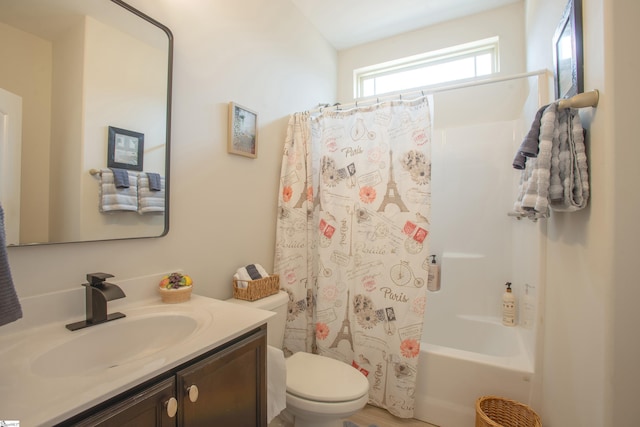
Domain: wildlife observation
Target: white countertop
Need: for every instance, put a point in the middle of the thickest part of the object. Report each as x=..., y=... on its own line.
x=44, y=400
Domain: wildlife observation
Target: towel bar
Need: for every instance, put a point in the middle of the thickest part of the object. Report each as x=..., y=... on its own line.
x=581, y=100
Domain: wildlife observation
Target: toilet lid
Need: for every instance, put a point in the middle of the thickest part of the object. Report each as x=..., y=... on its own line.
x=322, y=379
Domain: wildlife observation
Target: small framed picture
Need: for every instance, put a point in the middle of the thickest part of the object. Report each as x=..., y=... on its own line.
x=125, y=149
x=567, y=52
x=243, y=131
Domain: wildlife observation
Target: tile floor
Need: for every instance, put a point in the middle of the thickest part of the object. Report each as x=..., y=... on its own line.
x=370, y=415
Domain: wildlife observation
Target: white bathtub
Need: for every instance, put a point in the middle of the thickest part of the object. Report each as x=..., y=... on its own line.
x=465, y=357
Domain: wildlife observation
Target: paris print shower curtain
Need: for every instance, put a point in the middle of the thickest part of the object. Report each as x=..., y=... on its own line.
x=352, y=241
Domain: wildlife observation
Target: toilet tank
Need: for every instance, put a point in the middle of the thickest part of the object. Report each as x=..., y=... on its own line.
x=275, y=325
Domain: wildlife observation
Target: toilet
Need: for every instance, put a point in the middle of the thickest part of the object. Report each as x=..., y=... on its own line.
x=320, y=391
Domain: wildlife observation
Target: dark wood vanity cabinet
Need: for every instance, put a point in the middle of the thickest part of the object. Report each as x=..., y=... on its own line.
x=146, y=408
x=231, y=388
x=225, y=387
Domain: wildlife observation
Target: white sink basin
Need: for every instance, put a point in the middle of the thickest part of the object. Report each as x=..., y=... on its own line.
x=101, y=347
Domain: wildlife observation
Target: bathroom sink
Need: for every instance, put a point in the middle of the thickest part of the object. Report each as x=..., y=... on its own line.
x=99, y=348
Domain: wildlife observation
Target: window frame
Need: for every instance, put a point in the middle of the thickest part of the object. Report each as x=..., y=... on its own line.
x=425, y=60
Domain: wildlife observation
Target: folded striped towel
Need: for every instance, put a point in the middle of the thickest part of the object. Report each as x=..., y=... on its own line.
x=114, y=199
x=149, y=200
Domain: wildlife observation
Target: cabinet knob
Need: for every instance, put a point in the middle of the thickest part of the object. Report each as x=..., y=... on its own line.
x=192, y=390
x=171, y=406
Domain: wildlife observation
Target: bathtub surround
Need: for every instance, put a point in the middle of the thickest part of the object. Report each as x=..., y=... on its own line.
x=10, y=309
x=351, y=242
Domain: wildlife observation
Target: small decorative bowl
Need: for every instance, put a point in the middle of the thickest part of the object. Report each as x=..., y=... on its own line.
x=172, y=296
x=175, y=288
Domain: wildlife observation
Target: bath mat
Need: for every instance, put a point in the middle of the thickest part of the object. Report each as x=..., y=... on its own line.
x=352, y=424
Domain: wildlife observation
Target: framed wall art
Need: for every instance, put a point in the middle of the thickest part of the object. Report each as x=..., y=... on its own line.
x=567, y=52
x=243, y=131
x=125, y=149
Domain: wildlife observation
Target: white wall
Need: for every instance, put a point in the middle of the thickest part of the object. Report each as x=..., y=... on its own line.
x=264, y=55
x=28, y=75
x=506, y=22
x=591, y=373
x=66, y=132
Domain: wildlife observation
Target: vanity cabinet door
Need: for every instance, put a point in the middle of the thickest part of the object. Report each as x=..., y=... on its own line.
x=226, y=389
x=147, y=408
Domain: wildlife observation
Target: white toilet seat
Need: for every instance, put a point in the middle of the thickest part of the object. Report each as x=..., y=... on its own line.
x=321, y=379
x=326, y=409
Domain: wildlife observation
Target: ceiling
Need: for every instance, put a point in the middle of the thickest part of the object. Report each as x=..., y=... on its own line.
x=348, y=23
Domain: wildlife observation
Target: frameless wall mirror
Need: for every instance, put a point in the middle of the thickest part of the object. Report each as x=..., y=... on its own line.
x=71, y=70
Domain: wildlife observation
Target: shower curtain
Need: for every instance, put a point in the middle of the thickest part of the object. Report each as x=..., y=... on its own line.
x=351, y=241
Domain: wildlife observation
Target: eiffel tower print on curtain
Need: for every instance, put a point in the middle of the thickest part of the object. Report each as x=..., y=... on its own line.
x=345, y=330
x=392, y=196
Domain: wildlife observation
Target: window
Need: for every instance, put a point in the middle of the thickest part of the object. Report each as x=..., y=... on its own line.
x=458, y=63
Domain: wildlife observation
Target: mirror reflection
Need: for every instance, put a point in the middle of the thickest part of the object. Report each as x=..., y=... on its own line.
x=71, y=71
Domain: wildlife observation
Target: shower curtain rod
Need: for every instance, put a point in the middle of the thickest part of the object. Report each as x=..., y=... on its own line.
x=587, y=99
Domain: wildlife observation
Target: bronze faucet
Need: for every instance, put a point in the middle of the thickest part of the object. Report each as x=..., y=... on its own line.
x=98, y=292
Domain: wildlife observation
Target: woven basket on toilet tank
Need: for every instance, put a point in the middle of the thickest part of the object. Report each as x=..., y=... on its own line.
x=257, y=289
x=494, y=411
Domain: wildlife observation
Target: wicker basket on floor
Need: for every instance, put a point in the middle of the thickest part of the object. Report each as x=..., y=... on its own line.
x=257, y=289
x=494, y=411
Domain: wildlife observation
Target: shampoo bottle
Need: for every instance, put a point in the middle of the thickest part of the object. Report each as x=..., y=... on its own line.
x=433, y=282
x=508, y=307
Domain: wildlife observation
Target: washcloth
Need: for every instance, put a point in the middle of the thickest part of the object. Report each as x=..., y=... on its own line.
x=529, y=145
x=557, y=177
x=149, y=200
x=10, y=309
x=117, y=199
x=248, y=273
x=155, y=181
x=120, y=177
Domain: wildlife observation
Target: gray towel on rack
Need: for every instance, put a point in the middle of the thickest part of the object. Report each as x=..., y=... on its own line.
x=10, y=309
x=529, y=145
x=557, y=178
x=150, y=201
x=569, y=190
x=532, y=201
x=120, y=177
x=114, y=199
x=155, y=183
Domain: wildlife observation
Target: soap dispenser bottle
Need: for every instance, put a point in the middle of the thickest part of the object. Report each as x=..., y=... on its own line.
x=508, y=307
x=433, y=281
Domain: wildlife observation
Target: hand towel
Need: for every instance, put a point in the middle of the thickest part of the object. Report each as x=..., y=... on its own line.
x=155, y=181
x=120, y=177
x=529, y=146
x=10, y=309
x=276, y=382
x=149, y=200
x=114, y=199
